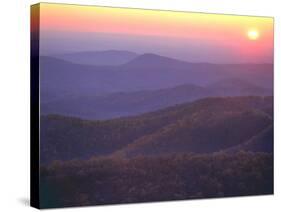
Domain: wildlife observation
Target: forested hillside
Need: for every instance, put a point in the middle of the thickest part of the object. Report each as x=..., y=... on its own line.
x=204, y=126
x=175, y=177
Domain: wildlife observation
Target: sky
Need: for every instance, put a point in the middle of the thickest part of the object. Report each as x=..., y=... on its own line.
x=193, y=37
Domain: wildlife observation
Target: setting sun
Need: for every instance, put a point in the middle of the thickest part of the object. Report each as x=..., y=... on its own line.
x=253, y=34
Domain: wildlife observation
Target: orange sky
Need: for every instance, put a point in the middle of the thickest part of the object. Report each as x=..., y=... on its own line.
x=227, y=29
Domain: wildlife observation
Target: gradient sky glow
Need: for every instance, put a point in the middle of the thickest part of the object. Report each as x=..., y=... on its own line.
x=195, y=37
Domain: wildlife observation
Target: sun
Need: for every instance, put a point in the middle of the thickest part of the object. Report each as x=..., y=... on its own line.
x=253, y=34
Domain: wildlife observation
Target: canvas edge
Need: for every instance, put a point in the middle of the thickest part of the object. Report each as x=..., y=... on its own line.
x=34, y=106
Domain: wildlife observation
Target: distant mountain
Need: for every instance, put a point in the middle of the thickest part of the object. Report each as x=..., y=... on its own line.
x=154, y=61
x=124, y=104
x=151, y=71
x=109, y=57
x=61, y=79
x=127, y=104
x=200, y=73
x=238, y=87
x=204, y=126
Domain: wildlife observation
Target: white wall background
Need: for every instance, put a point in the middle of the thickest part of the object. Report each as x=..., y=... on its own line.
x=14, y=104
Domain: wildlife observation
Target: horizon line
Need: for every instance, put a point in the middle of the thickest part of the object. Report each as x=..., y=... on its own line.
x=56, y=56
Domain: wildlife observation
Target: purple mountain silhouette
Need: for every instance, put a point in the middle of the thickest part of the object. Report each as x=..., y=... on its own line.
x=62, y=79
x=109, y=57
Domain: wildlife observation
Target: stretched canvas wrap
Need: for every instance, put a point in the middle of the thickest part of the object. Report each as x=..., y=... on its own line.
x=134, y=105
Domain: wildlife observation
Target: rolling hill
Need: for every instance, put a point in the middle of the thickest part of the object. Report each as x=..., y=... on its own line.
x=127, y=104
x=204, y=126
x=261, y=142
x=60, y=79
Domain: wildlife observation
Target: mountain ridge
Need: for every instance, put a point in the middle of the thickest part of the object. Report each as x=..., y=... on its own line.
x=184, y=127
x=64, y=79
x=133, y=103
x=106, y=57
